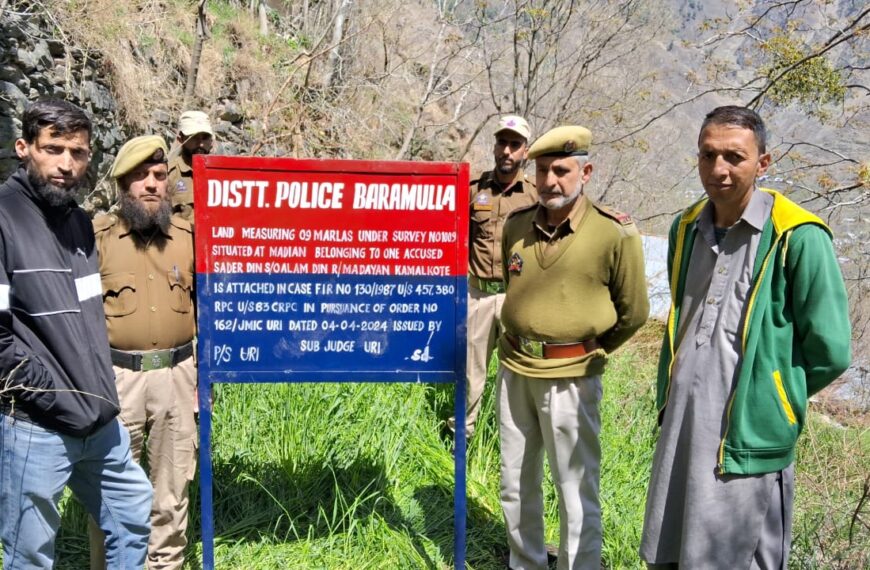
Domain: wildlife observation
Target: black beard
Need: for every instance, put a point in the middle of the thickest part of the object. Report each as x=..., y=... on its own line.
x=140, y=218
x=188, y=154
x=503, y=169
x=56, y=196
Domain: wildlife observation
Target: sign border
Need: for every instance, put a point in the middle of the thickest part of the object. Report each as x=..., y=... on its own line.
x=201, y=165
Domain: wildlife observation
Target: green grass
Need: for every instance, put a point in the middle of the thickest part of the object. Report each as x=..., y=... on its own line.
x=341, y=476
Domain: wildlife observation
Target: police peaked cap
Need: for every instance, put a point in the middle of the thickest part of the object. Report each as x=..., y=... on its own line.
x=571, y=140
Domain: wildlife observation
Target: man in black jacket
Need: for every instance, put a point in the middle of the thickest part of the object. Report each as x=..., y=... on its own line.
x=58, y=402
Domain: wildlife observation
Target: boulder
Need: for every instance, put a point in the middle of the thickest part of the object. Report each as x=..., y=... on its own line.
x=230, y=112
x=99, y=96
x=37, y=58
x=13, y=95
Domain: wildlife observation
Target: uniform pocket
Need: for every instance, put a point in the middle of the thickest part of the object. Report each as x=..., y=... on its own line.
x=180, y=286
x=783, y=398
x=481, y=219
x=119, y=294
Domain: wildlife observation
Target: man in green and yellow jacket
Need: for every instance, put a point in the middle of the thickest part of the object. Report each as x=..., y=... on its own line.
x=758, y=323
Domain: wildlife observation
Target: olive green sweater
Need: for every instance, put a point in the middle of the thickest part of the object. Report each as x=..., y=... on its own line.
x=589, y=283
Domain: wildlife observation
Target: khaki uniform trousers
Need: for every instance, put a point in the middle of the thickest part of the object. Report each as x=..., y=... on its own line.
x=560, y=416
x=160, y=403
x=484, y=316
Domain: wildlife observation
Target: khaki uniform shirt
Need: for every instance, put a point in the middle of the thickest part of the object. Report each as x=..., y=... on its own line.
x=582, y=280
x=489, y=206
x=147, y=292
x=181, y=185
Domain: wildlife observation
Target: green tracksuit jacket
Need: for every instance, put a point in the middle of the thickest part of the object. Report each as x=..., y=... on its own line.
x=795, y=335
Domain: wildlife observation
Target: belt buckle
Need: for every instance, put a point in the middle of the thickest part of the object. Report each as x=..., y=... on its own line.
x=493, y=287
x=532, y=347
x=156, y=360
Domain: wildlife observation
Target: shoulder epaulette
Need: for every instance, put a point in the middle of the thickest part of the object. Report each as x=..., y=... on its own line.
x=482, y=177
x=528, y=181
x=104, y=221
x=621, y=218
x=181, y=223
x=522, y=209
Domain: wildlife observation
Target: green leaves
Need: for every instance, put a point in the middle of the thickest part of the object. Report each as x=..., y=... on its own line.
x=798, y=74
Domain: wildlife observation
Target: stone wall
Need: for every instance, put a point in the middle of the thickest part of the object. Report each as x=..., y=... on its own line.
x=35, y=64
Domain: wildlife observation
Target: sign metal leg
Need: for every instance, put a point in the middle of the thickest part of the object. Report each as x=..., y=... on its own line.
x=205, y=473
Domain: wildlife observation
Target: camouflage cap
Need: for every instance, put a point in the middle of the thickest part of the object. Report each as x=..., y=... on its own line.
x=571, y=140
x=139, y=150
x=515, y=124
x=194, y=122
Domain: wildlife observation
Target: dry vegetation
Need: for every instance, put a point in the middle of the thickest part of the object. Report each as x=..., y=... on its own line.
x=423, y=80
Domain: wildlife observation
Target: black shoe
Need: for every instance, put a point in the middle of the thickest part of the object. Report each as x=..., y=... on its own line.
x=552, y=556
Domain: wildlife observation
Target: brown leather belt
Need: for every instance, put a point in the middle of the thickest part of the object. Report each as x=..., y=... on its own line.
x=151, y=359
x=541, y=349
x=486, y=285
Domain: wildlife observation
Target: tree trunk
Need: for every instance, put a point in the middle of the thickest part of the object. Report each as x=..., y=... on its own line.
x=196, y=54
x=335, y=53
x=264, y=20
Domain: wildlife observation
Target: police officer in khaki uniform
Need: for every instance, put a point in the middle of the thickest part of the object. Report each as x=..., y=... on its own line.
x=146, y=266
x=195, y=136
x=576, y=291
x=494, y=195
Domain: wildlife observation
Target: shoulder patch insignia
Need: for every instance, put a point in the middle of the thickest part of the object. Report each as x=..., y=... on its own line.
x=515, y=264
x=621, y=217
x=180, y=187
x=482, y=199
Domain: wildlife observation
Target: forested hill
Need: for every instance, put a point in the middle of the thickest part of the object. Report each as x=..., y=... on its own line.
x=425, y=79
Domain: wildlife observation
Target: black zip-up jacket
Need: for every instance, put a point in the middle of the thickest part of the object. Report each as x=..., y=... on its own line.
x=51, y=315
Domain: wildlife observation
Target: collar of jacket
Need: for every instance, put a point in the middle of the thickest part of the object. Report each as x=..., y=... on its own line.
x=785, y=214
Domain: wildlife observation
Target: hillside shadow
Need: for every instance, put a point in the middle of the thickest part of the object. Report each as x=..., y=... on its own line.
x=485, y=545
x=255, y=501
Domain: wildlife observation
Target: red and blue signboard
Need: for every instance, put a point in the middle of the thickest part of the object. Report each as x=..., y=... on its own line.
x=330, y=271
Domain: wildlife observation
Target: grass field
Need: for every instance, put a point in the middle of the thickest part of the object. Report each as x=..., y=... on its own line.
x=341, y=476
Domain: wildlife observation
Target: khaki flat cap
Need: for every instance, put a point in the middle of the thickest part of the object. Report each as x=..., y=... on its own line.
x=194, y=122
x=139, y=150
x=571, y=140
x=514, y=124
